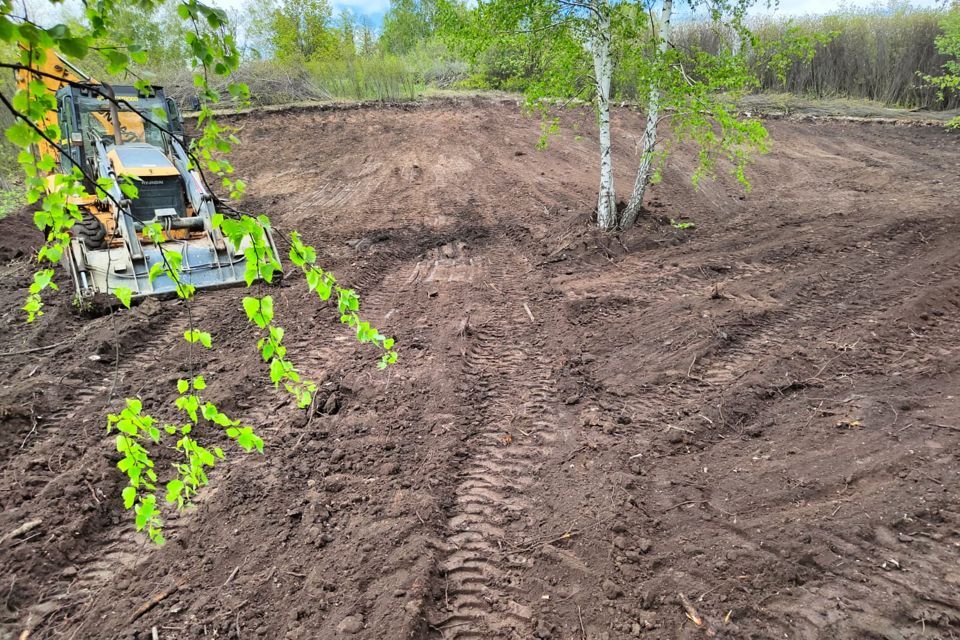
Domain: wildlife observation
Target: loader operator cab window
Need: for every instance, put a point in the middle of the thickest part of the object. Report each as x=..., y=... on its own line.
x=96, y=123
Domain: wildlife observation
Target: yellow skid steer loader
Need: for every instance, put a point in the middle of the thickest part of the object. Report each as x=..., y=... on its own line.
x=103, y=133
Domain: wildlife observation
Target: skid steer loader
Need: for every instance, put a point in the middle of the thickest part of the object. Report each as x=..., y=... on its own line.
x=103, y=133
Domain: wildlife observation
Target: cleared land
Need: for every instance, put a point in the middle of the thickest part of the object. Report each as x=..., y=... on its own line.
x=760, y=413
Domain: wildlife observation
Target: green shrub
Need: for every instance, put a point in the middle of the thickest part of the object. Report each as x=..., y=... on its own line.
x=878, y=54
x=385, y=78
x=11, y=198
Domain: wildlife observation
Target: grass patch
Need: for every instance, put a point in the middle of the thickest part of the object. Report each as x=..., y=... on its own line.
x=10, y=200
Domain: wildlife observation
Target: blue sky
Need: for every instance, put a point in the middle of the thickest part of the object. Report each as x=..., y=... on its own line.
x=376, y=8
x=368, y=7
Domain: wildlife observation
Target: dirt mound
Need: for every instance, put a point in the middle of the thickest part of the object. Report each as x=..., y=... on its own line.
x=758, y=413
x=18, y=236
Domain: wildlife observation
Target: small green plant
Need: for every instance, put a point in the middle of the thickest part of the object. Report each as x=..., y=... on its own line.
x=682, y=226
x=548, y=127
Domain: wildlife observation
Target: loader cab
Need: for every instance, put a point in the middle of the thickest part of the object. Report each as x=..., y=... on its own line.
x=84, y=117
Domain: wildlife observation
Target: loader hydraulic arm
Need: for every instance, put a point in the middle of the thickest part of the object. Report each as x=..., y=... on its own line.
x=54, y=72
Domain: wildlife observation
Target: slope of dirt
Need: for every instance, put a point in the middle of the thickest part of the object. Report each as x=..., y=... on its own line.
x=759, y=413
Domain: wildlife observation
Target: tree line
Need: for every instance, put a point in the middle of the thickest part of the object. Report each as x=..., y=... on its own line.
x=880, y=53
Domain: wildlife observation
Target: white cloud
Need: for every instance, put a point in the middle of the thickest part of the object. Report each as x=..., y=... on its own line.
x=365, y=7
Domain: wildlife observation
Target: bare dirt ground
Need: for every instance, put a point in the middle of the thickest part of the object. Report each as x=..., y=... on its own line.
x=760, y=413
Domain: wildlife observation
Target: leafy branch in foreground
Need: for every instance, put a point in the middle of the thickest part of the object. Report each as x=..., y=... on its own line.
x=136, y=429
x=348, y=302
x=60, y=192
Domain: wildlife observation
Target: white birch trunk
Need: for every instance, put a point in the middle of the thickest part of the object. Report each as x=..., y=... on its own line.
x=603, y=73
x=645, y=171
x=736, y=42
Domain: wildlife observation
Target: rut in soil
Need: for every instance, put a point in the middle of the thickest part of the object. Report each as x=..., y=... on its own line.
x=508, y=390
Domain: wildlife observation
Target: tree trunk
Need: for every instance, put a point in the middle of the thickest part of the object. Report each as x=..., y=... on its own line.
x=645, y=171
x=603, y=72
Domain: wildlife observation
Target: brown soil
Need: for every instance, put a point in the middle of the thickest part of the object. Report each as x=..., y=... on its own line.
x=760, y=413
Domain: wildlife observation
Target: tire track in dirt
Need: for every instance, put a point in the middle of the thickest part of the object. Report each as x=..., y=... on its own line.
x=80, y=386
x=141, y=348
x=509, y=390
x=769, y=332
x=144, y=336
x=770, y=324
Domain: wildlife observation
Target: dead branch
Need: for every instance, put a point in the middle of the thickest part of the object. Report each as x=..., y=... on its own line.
x=35, y=349
x=154, y=601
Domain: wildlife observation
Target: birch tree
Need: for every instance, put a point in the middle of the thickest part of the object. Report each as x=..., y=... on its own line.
x=693, y=93
x=628, y=43
x=948, y=44
x=599, y=37
x=572, y=43
x=645, y=171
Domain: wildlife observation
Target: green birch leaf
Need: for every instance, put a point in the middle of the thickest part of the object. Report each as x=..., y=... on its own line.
x=124, y=295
